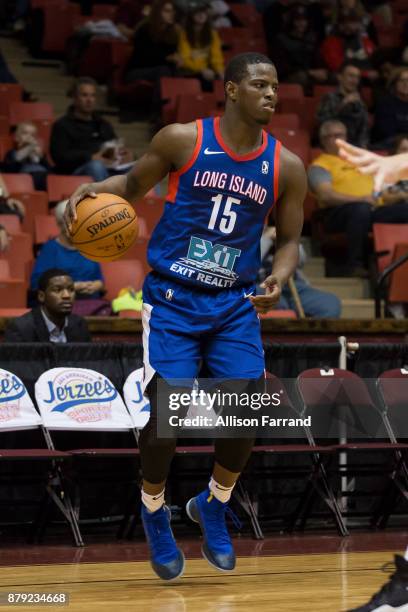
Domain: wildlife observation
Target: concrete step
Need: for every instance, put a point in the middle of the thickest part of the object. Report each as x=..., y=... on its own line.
x=354, y=288
x=357, y=309
x=314, y=266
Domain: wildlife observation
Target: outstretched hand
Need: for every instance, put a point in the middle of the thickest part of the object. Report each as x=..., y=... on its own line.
x=384, y=169
x=273, y=290
x=70, y=214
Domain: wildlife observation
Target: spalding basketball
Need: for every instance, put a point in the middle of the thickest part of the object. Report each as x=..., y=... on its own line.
x=106, y=227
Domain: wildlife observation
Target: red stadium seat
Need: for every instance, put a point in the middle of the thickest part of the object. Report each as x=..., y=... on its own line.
x=61, y=187
x=12, y=223
x=138, y=251
x=4, y=125
x=13, y=293
x=30, y=111
x=137, y=94
x=191, y=106
x=19, y=255
x=4, y=269
x=297, y=141
x=290, y=90
x=6, y=143
x=13, y=312
x=170, y=89
x=45, y=228
x=249, y=17
x=10, y=93
x=36, y=203
x=23, y=183
x=104, y=11
x=101, y=56
x=59, y=21
x=120, y=274
x=398, y=287
x=279, y=314
x=321, y=90
x=386, y=237
x=285, y=120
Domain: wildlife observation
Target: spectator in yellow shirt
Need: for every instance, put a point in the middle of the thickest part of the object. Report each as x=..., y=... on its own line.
x=348, y=199
x=200, y=48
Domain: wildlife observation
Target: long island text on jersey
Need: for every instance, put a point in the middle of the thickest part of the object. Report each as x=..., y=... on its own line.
x=214, y=213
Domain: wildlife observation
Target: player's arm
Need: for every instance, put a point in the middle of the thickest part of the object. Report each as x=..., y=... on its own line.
x=289, y=223
x=150, y=169
x=384, y=169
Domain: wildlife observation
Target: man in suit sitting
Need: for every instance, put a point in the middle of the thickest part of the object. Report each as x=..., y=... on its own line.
x=52, y=321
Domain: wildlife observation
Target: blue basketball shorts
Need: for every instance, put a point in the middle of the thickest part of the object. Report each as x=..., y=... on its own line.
x=185, y=328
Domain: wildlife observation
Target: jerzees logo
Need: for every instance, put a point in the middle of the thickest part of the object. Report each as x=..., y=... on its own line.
x=69, y=392
x=11, y=389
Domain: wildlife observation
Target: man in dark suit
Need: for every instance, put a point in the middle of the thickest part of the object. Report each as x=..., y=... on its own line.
x=52, y=321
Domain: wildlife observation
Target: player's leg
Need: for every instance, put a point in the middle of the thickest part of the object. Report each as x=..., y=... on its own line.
x=168, y=355
x=235, y=353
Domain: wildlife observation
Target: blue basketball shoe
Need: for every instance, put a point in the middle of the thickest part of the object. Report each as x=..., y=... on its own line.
x=209, y=512
x=166, y=559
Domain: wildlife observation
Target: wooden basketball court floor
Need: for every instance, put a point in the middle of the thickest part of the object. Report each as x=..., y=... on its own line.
x=310, y=573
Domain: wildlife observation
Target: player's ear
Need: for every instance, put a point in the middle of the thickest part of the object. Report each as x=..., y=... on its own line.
x=231, y=90
x=41, y=296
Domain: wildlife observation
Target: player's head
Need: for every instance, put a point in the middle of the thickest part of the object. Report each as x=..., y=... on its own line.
x=56, y=292
x=349, y=77
x=329, y=131
x=83, y=94
x=251, y=87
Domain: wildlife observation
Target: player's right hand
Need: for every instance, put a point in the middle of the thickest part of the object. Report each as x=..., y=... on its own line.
x=70, y=214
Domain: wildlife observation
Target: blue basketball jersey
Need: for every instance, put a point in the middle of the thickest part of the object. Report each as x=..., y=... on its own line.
x=209, y=233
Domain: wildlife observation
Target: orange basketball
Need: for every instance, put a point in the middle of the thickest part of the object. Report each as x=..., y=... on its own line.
x=106, y=227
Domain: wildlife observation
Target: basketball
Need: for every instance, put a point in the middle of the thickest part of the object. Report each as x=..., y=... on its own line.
x=106, y=227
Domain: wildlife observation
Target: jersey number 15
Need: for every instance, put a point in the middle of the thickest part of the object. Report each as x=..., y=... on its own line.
x=228, y=216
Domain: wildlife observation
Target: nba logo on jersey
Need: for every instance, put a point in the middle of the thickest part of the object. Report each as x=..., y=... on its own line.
x=169, y=294
x=265, y=167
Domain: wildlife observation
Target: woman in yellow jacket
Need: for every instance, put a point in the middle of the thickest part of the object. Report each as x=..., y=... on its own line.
x=200, y=48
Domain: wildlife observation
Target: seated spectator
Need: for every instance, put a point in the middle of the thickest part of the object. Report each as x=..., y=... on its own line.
x=28, y=156
x=347, y=197
x=316, y=303
x=60, y=253
x=346, y=105
x=294, y=51
x=349, y=42
x=8, y=205
x=155, y=45
x=391, y=114
x=52, y=320
x=81, y=141
x=200, y=48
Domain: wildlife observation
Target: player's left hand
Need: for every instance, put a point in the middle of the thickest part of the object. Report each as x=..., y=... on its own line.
x=265, y=303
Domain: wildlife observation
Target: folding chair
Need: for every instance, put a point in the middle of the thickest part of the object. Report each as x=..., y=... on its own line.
x=392, y=388
x=18, y=417
x=79, y=400
x=343, y=414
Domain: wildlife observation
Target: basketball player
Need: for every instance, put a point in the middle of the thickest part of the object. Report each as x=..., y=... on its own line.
x=225, y=175
x=394, y=594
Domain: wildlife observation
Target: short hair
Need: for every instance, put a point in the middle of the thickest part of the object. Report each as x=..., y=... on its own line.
x=326, y=124
x=73, y=90
x=347, y=64
x=48, y=275
x=237, y=68
x=59, y=211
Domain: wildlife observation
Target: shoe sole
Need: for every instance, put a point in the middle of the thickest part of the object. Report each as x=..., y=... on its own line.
x=197, y=520
x=387, y=608
x=175, y=577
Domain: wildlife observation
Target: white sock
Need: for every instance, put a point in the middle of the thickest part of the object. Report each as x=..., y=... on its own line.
x=223, y=494
x=153, y=502
x=406, y=555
